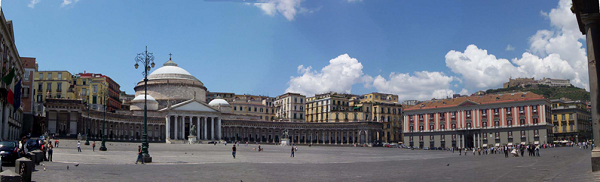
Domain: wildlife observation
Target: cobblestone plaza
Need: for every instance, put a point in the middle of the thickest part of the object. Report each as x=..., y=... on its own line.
x=180, y=162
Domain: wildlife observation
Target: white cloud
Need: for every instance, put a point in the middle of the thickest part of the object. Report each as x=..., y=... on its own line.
x=464, y=92
x=555, y=53
x=421, y=86
x=68, y=2
x=32, y=3
x=339, y=76
x=510, y=48
x=288, y=8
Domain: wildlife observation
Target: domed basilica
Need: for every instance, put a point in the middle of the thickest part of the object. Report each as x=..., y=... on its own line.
x=176, y=103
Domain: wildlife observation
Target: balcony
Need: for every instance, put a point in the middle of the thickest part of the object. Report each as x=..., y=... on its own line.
x=521, y=112
x=452, y=117
x=484, y=114
x=495, y=114
x=497, y=138
x=509, y=113
x=510, y=137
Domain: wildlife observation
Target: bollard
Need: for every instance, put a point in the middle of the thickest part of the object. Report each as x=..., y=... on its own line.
x=24, y=167
x=9, y=176
x=31, y=156
x=39, y=156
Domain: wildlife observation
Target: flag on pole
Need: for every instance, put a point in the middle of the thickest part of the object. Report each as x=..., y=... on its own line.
x=9, y=77
x=17, y=99
x=10, y=97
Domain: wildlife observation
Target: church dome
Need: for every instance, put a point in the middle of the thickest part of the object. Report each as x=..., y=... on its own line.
x=217, y=102
x=170, y=70
x=141, y=98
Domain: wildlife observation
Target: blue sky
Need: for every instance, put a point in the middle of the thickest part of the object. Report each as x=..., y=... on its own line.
x=401, y=47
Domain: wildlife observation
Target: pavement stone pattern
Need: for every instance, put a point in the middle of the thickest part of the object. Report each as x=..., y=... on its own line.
x=207, y=162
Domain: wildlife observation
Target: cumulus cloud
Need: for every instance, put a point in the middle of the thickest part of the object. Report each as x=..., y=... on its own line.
x=32, y=3
x=464, y=92
x=510, y=48
x=68, y=2
x=422, y=85
x=288, y=8
x=339, y=76
x=554, y=53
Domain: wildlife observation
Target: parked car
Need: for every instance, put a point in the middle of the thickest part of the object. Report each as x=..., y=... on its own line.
x=9, y=151
x=211, y=142
x=32, y=144
x=425, y=148
x=393, y=145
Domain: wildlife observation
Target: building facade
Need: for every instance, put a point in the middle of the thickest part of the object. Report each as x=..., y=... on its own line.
x=289, y=107
x=572, y=121
x=52, y=84
x=11, y=117
x=227, y=96
x=28, y=90
x=555, y=82
x=479, y=121
x=262, y=107
x=385, y=110
x=320, y=108
x=89, y=87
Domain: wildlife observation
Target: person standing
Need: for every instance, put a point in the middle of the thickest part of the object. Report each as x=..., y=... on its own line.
x=78, y=146
x=50, y=147
x=505, y=151
x=459, y=151
x=94, y=146
x=537, y=150
x=233, y=150
x=293, y=150
x=139, y=158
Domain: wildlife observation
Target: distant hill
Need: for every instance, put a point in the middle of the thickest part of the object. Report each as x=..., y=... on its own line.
x=572, y=92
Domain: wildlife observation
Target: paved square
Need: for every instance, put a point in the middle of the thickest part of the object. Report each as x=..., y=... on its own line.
x=179, y=162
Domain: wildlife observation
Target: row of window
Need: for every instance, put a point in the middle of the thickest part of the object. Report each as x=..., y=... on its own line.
x=241, y=108
x=484, y=136
x=41, y=76
x=484, y=124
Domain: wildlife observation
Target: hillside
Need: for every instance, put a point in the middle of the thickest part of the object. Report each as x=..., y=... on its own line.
x=572, y=92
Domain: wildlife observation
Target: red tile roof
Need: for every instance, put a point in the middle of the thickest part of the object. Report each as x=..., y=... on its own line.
x=484, y=99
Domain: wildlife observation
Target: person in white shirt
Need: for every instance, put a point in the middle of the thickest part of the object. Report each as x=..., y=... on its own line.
x=78, y=146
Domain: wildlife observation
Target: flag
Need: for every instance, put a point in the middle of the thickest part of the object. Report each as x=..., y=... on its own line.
x=17, y=96
x=9, y=77
x=10, y=97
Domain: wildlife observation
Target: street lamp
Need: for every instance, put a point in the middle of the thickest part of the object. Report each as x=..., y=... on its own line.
x=87, y=124
x=147, y=60
x=104, y=94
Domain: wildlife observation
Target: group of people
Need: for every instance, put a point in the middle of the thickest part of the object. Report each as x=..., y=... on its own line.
x=533, y=150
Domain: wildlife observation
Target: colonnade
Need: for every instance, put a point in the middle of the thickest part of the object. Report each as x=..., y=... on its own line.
x=179, y=127
x=121, y=130
x=300, y=136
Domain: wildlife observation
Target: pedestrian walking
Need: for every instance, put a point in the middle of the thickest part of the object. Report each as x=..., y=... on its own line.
x=50, y=151
x=233, y=150
x=459, y=151
x=139, y=158
x=56, y=143
x=537, y=150
x=293, y=150
x=94, y=146
x=78, y=146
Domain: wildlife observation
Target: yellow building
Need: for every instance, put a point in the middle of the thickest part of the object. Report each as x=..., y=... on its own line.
x=90, y=89
x=384, y=108
x=571, y=120
x=252, y=105
x=53, y=84
x=320, y=108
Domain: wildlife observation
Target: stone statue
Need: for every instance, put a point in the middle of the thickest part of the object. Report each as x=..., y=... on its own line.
x=285, y=134
x=193, y=130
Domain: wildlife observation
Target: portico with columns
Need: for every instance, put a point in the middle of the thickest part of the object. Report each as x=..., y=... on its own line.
x=181, y=117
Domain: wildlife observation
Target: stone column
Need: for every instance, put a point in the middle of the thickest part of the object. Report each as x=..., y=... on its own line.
x=219, y=128
x=591, y=18
x=204, y=128
x=335, y=137
x=212, y=128
x=175, y=135
x=167, y=125
x=197, y=128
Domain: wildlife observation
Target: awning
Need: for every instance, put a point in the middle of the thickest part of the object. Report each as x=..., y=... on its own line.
x=522, y=143
x=497, y=145
x=357, y=107
x=536, y=142
x=509, y=144
x=484, y=145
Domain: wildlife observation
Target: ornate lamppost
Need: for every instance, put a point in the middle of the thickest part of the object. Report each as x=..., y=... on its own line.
x=105, y=95
x=147, y=60
x=87, y=124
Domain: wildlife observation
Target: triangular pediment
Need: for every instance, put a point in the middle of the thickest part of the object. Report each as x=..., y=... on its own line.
x=468, y=103
x=191, y=105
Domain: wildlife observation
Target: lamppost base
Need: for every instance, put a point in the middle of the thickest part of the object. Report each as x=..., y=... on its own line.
x=147, y=159
x=596, y=159
x=87, y=142
x=103, y=148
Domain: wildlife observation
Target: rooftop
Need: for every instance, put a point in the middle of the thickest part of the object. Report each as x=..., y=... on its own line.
x=477, y=100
